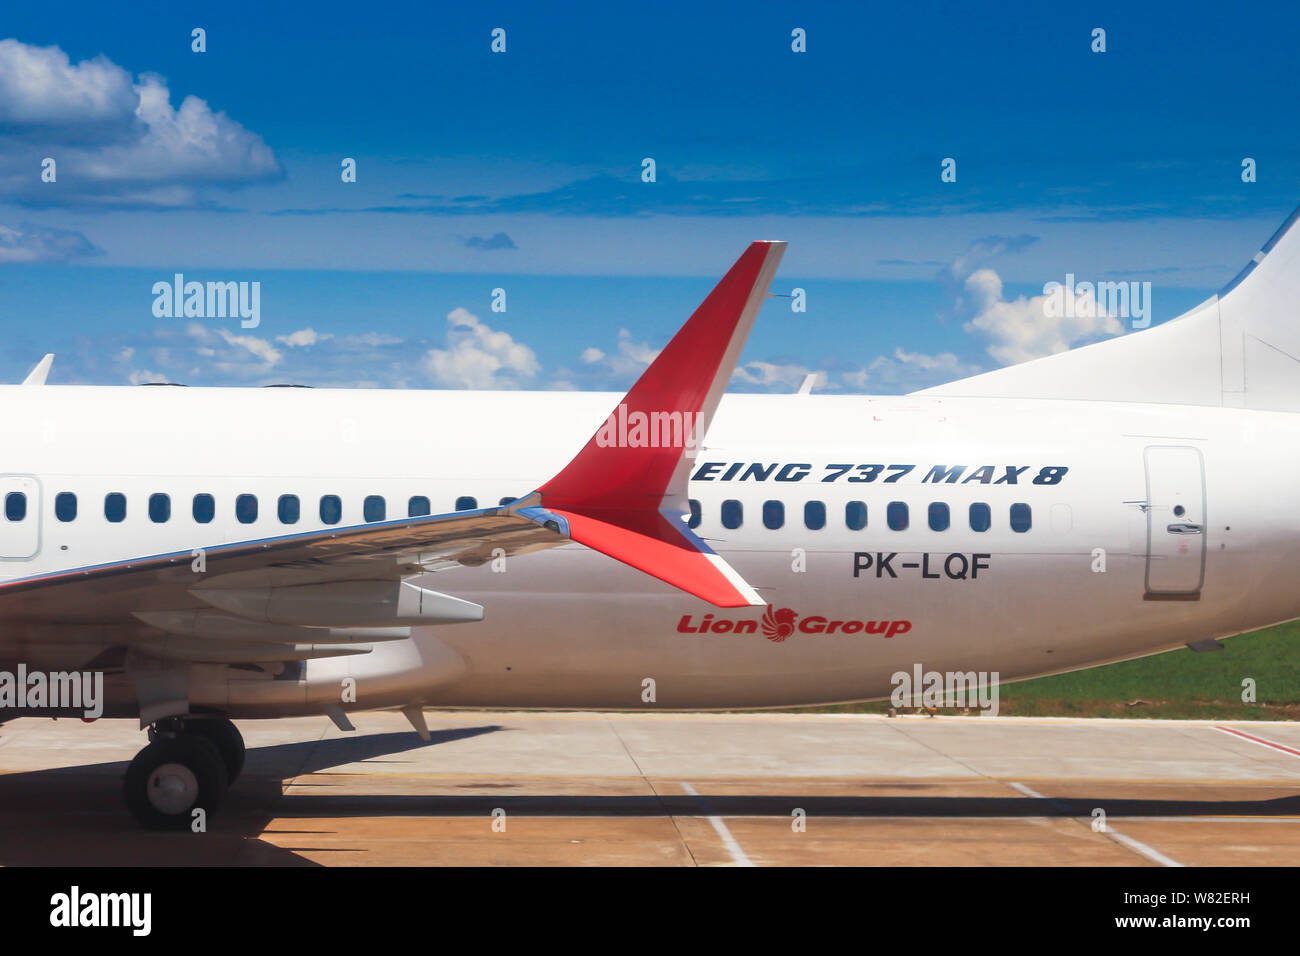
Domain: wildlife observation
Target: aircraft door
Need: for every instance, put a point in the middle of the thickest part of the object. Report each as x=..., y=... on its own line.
x=1175, y=521
x=20, y=516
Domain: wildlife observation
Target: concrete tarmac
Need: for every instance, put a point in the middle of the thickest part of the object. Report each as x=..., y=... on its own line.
x=505, y=789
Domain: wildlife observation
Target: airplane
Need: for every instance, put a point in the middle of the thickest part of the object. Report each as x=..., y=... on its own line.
x=249, y=553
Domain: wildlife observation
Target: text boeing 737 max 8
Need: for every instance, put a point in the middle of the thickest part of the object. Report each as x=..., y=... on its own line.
x=245, y=553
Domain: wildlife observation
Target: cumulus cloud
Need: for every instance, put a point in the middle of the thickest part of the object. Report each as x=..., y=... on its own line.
x=1024, y=329
x=908, y=371
x=260, y=348
x=303, y=338
x=775, y=377
x=40, y=86
x=185, y=354
x=43, y=244
x=115, y=139
x=373, y=339
x=628, y=357
x=478, y=356
x=207, y=352
x=614, y=369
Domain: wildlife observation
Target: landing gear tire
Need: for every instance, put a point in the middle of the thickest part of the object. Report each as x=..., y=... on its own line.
x=171, y=778
x=225, y=736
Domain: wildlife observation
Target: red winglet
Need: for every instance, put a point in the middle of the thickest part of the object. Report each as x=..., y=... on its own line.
x=625, y=492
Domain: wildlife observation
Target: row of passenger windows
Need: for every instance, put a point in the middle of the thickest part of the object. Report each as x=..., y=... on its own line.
x=288, y=509
x=203, y=507
x=897, y=516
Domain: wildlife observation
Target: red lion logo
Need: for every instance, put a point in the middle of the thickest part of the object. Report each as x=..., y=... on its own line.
x=778, y=625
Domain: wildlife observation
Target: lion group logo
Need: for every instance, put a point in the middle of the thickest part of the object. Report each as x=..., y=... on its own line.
x=778, y=624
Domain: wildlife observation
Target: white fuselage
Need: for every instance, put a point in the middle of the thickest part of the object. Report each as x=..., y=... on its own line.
x=572, y=628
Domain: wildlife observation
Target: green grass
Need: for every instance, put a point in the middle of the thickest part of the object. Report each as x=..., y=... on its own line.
x=1180, y=684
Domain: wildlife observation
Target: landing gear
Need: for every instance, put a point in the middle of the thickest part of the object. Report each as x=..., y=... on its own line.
x=225, y=736
x=187, y=766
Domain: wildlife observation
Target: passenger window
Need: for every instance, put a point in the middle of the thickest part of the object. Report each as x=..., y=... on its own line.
x=981, y=518
x=417, y=506
x=16, y=506
x=288, y=509
x=696, y=514
x=814, y=515
x=115, y=506
x=1020, y=517
x=65, y=506
x=896, y=515
x=466, y=503
x=505, y=501
x=855, y=515
x=204, y=508
x=733, y=514
x=331, y=509
x=373, y=508
x=939, y=516
x=246, y=509
x=773, y=515
x=160, y=508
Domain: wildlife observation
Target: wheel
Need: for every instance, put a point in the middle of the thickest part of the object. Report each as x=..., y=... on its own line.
x=172, y=777
x=225, y=736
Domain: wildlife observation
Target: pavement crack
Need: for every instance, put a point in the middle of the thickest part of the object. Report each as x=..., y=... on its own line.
x=672, y=820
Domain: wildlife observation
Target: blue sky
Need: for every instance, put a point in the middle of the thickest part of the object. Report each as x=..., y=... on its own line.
x=522, y=171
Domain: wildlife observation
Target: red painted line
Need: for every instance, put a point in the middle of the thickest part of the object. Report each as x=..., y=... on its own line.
x=1261, y=741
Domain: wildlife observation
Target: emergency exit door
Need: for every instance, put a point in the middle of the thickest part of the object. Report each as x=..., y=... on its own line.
x=1175, y=521
x=20, y=516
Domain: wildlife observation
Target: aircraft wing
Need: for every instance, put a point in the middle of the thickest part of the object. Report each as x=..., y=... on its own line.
x=624, y=494
x=384, y=551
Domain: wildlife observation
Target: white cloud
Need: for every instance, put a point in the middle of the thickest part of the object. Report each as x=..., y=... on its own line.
x=115, y=140
x=38, y=244
x=776, y=377
x=40, y=86
x=908, y=371
x=260, y=348
x=628, y=360
x=639, y=354
x=1023, y=329
x=373, y=339
x=478, y=356
x=303, y=338
x=241, y=356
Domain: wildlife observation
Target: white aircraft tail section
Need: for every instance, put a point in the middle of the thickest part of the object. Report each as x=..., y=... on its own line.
x=1240, y=348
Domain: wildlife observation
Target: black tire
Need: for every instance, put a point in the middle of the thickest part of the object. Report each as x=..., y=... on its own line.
x=225, y=736
x=160, y=795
